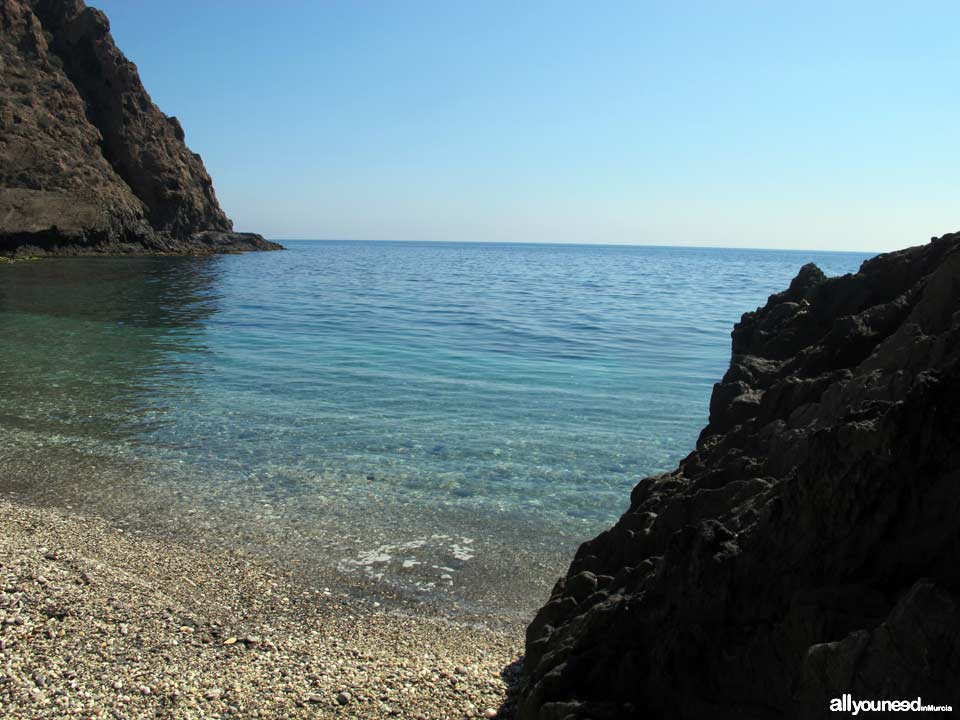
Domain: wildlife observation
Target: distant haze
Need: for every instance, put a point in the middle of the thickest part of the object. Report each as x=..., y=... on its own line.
x=783, y=125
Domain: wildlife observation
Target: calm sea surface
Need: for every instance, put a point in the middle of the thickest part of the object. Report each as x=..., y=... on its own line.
x=427, y=422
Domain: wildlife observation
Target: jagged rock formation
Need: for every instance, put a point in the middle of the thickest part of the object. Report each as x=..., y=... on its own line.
x=809, y=546
x=87, y=162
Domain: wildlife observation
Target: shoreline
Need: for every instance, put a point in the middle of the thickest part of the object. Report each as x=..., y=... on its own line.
x=356, y=542
x=95, y=621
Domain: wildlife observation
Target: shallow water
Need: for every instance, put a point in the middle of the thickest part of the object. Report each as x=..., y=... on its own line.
x=439, y=422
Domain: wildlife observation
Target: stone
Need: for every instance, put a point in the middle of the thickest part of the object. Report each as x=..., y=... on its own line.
x=581, y=585
x=343, y=698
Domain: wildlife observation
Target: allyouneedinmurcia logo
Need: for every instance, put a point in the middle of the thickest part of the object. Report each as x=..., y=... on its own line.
x=846, y=703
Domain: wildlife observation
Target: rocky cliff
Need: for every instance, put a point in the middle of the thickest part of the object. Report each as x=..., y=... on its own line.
x=88, y=163
x=809, y=545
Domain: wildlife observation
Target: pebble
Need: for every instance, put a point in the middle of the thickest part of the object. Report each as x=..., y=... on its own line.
x=141, y=643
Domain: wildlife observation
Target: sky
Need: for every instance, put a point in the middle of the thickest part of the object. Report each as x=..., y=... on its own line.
x=828, y=125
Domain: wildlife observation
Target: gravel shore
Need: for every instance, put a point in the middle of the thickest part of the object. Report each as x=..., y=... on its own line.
x=99, y=623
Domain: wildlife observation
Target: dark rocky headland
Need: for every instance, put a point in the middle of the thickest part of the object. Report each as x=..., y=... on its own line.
x=88, y=163
x=809, y=545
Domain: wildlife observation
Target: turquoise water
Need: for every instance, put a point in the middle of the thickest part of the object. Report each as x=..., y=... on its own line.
x=435, y=421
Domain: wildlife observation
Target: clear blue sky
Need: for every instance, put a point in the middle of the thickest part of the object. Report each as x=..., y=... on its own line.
x=827, y=125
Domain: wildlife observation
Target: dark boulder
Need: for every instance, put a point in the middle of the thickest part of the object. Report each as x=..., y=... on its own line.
x=809, y=546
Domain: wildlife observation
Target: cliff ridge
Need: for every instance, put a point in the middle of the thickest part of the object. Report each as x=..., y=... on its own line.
x=88, y=163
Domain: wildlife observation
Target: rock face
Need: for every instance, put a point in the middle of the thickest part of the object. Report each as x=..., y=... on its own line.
x=809, y=546
x=87, y=162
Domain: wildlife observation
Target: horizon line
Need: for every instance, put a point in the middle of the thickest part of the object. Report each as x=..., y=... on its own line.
x=582, y=244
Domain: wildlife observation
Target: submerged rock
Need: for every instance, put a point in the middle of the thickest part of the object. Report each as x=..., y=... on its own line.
x=808, y=547
x=88, y=163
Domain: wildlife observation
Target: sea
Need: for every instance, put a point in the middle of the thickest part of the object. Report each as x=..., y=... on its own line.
x=427, y=426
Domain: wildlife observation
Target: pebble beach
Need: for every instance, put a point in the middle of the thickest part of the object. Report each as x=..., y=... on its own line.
x=96, y=622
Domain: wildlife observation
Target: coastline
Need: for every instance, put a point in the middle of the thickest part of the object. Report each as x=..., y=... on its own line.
x=95, y=620
x=344, y=533
x=201, y=244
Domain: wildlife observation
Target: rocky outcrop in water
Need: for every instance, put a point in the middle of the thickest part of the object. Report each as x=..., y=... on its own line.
x=88, y=163
x=809, y=546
